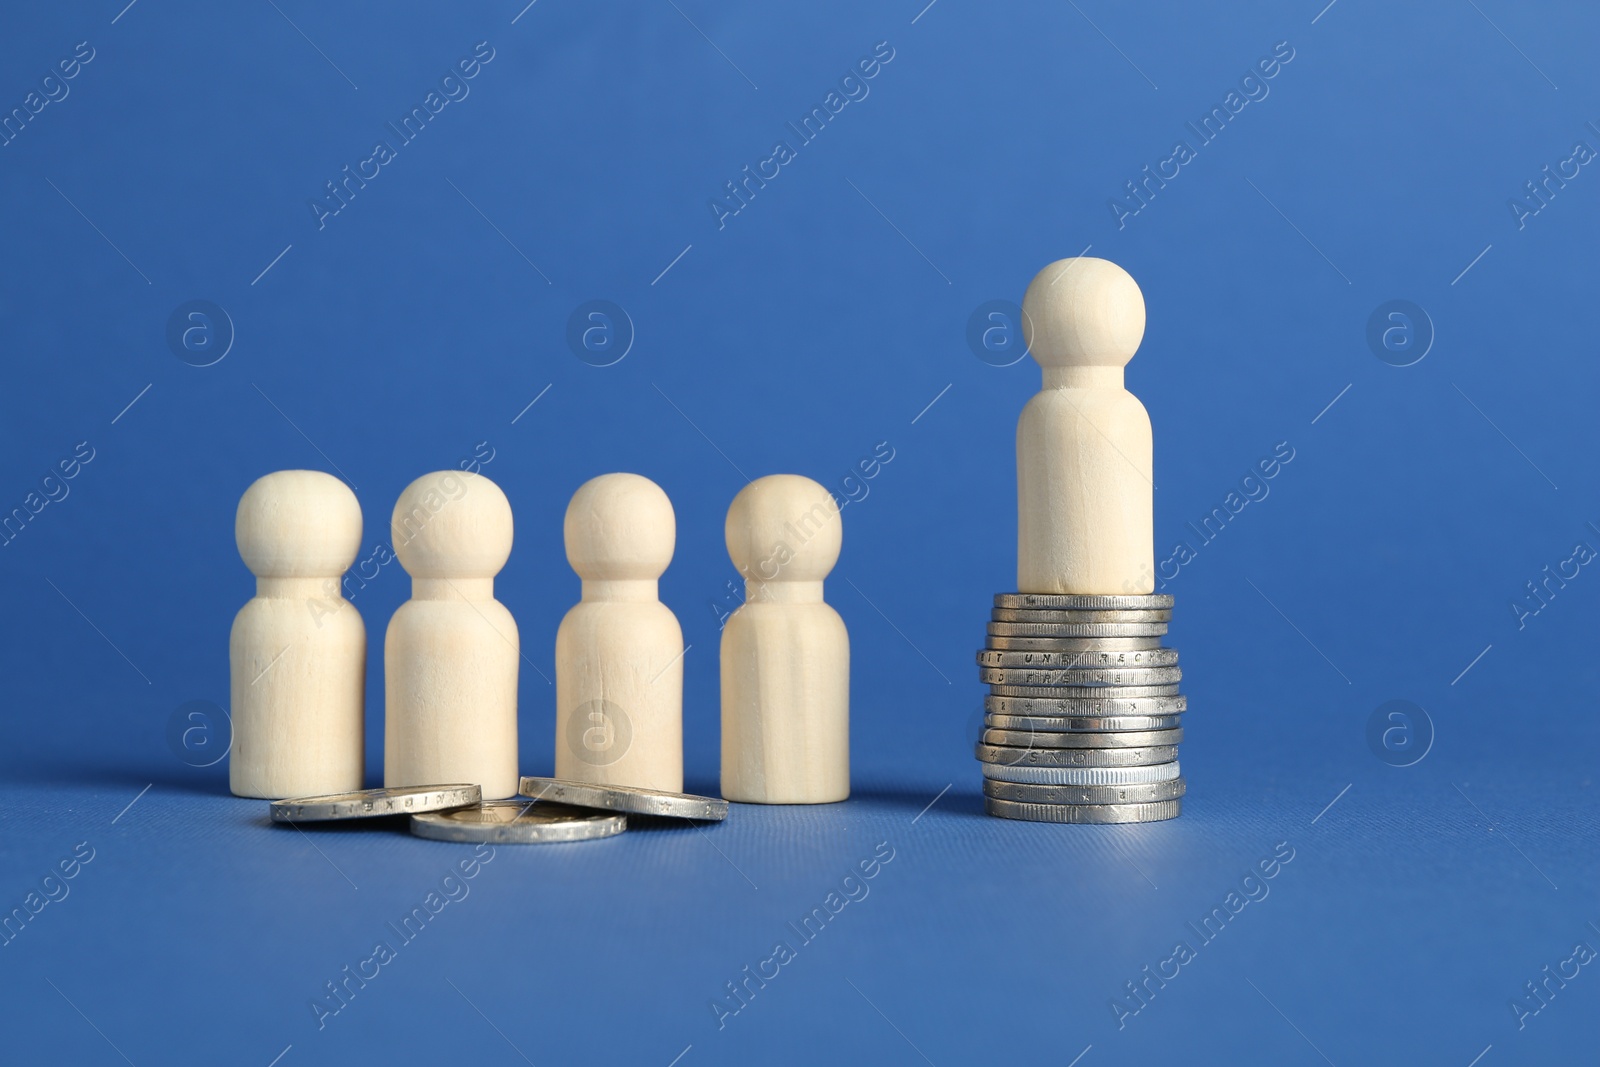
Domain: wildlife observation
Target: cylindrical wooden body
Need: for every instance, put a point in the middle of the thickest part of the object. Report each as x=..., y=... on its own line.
x=619, y=693
x=785, y=704
x=450, y=680
x=1084, y=493
x=297, y=664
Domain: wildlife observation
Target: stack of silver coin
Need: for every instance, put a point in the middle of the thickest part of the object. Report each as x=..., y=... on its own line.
x=1081, y=723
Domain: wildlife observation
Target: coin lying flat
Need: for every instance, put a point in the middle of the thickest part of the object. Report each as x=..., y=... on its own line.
x=632, y=799
x=1085, y=601
x=519, y=822
x=374, y=803
x=1159, y=772
x=1060, y=615
x=1080, y=676
x=1083, y=813
x=1085, y=794
x=1072, y=644
x=1013, y=756
x=1064, y=739
x=1082, y=658
x=1111, y=692
x=1081, y=724
x=1077, y=629
x=1114, y=703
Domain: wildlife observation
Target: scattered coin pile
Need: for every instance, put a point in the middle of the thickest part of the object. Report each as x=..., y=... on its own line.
x=1081, y=723
x=550, y=810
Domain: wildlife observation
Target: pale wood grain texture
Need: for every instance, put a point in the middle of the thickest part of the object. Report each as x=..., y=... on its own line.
x=451, y=653
x=1084, y=450
x=297, y=653
x=785, y=653
x=619, y=651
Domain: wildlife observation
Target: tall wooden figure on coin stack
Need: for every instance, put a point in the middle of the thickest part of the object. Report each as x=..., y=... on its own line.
x=619, y=651
x=1084, y=488
x=1081, y=720
x=785, y=653
x=298, y=651
x=450, y=656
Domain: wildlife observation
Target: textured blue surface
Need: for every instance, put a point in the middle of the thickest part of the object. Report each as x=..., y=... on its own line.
x=828, y=315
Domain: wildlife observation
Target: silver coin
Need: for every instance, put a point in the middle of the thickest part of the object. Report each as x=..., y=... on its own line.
x=375, y=803
x=1072, y=739
x=632, y=799
x=1083, y=659
x=1084, y=601
x=1083, y=813
x=1085, y=794
x=1051, y=692
x=519, y=822
x=1011, y=756
x=1072, y=644
x=1019, y=615
x=1081, y=724
x=1094, y=706
x=1159, y=772
x=1093, y=677
x=1076, y=629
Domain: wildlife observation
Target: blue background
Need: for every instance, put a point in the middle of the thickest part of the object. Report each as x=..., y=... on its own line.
x=825, y=317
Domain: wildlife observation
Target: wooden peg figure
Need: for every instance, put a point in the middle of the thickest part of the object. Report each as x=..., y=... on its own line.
x=297, y=654
x=785, y=653
x=451, y=654
x=1084, y=486
x=619, y=651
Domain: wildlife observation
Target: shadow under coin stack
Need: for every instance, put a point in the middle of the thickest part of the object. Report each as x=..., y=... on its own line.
x=1081, y=724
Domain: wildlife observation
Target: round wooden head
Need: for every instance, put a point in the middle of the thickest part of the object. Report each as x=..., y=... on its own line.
x=1083, y=312
x=451, y=524
x=784, y=527
x=620, y=527
x=298, y=524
